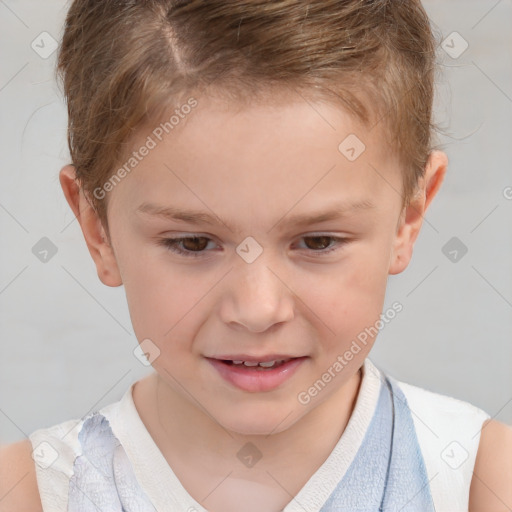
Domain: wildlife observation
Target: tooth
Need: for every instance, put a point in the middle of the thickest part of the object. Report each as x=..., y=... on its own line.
x=248, y=363
x=268, y=364
x=237, y=362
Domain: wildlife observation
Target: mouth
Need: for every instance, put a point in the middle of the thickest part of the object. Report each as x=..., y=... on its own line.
x=257, y=365
x=255, y=374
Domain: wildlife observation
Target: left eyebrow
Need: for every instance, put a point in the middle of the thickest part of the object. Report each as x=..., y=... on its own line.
x=336, y=211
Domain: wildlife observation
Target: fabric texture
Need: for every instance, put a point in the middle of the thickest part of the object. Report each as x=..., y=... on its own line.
x=388, y=472
x=103, y=476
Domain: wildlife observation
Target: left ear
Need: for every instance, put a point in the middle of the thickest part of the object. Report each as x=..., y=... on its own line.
x=411, y=218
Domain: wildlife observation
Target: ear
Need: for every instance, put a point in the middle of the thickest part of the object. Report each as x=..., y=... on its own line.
x=92, y=228
x=411, y=217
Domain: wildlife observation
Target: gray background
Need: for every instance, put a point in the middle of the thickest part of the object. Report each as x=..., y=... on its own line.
x=66, y=339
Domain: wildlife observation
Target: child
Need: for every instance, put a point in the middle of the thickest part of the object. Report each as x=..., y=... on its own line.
x=251, y=173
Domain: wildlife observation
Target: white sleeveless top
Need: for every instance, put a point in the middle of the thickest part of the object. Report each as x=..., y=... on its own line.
x=437, y=434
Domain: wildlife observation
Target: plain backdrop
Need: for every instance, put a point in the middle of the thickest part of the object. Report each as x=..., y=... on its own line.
x=66, y=339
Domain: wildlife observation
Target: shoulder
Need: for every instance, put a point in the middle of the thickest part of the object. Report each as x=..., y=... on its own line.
x=445, y=416
x=448, y=434
x=445, y=405
x=18, y=482
x=491, y=486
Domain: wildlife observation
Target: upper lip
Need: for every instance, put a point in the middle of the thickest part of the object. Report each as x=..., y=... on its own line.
x=254, y=359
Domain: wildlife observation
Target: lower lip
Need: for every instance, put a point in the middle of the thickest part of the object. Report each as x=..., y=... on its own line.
x=254, y=380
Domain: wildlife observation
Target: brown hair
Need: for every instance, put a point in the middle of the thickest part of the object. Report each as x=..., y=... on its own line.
x=123, y=63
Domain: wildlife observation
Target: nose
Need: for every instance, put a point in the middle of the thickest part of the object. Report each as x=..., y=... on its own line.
x=256, y=297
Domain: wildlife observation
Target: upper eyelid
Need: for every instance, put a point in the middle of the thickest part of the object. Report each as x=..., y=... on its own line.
x=212, y=237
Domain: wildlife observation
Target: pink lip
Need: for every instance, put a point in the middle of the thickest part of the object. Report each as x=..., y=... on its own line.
x=254, y=380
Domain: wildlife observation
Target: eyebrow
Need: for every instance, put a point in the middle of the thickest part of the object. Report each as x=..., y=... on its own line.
x=336, y=211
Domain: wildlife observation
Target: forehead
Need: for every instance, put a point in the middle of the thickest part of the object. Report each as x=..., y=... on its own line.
x=255, y=156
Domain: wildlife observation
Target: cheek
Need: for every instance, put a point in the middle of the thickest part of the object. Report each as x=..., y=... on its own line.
x=348, y=298
x=160, y=297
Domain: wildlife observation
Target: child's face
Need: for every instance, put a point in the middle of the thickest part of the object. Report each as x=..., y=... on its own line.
x=256, y=169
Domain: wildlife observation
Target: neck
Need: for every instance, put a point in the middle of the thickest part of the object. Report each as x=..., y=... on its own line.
x=185, y=431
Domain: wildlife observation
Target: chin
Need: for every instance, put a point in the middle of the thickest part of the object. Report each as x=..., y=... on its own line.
x=259, y=421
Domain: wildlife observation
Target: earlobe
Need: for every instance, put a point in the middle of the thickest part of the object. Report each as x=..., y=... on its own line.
x=411, y=218
x=94, y=233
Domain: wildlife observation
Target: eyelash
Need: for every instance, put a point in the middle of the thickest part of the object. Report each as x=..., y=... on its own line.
x=172, y=245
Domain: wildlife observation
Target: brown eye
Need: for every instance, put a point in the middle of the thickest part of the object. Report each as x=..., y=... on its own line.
x=187, y=246
x=319, y=242
x=320, y=245
x=194, y=244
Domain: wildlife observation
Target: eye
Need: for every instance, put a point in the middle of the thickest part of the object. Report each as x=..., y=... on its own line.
x=321, y=241
x=195, y=246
